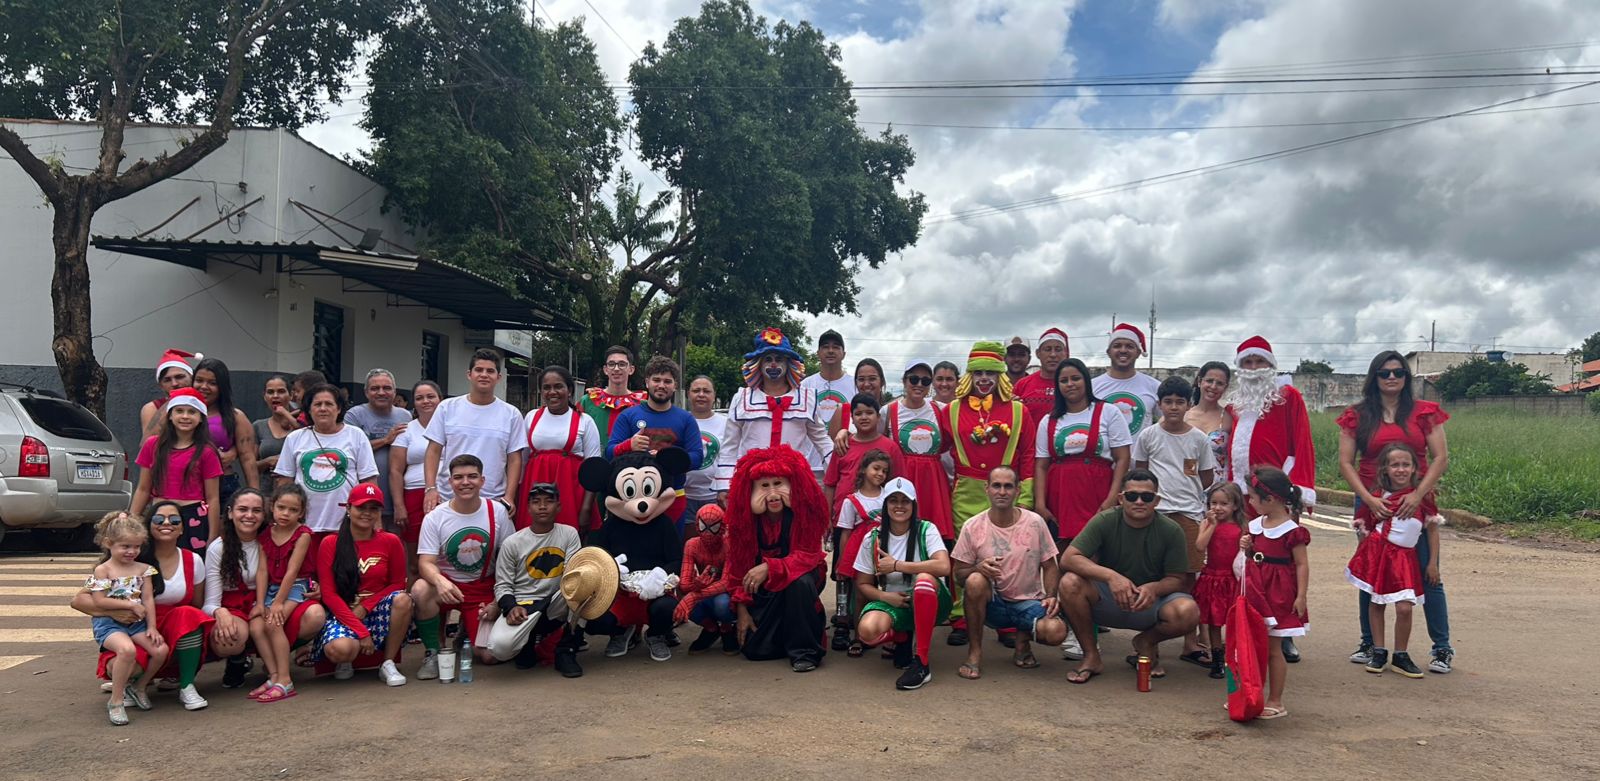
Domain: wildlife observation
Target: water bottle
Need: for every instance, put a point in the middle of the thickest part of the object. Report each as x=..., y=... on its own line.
x=466, y=662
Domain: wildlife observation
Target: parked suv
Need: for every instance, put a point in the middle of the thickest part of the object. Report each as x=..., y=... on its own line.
x=61, y=469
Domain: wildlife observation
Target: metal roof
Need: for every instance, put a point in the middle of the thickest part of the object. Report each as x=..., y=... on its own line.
x=477, y=300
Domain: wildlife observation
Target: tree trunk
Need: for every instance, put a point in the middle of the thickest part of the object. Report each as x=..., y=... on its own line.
x=73, y=343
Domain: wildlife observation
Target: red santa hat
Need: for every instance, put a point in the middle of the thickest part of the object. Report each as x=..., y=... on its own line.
x=1129, y=332
x=175, y=359
x=1055, y=335
x=1256, y=345
x=186, y=397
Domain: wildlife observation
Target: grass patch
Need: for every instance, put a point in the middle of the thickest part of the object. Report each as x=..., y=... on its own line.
x=1574, y=528
x=1512, y=467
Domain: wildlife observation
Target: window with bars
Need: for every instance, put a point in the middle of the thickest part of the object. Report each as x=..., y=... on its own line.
x=327, y=341
x=433, y=359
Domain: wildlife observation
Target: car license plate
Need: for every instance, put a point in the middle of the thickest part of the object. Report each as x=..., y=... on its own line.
x=91, y=473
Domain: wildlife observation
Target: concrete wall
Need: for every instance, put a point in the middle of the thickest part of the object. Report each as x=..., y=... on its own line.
x=1558, y=404
x=1557, y=366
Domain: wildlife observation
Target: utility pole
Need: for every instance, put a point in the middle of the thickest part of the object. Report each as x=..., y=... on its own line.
x=1433, y=337
x=1151, y=362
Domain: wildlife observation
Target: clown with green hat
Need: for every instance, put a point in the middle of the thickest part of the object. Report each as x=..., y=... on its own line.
x=989, y=428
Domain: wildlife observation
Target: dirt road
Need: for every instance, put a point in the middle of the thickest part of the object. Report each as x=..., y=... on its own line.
x=1521, y=702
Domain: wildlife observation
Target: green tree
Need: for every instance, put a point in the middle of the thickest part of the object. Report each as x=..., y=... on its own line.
x=215, y=64
x=1308, y=366
x=755, y=127
x=1591, y=348
x=1480, y=377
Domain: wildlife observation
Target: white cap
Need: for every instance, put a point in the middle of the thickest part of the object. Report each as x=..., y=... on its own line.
x=899, y=485
x=915, y=362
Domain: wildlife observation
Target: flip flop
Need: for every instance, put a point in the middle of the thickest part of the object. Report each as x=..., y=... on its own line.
x=255, y=694
x=1273, y=713
x=277, y=693
x=1081, y=675
x=1025, y=660
x=1155, y=672
x=857, y=650
x=1200, y=658
x=969, y=671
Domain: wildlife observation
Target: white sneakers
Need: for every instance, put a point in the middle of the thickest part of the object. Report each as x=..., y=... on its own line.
x=191, y=699
x=344, y=671
x=430, y=667
x=391, y=674
x=1071, y=649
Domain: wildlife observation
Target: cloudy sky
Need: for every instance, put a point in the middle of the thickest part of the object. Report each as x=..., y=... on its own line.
x=1486, y=224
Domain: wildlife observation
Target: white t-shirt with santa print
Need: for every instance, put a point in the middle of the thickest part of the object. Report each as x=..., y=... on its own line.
x=916, y=431
x=701, y=484
x=327, y=466
x=1072, y=433
x=1136, y=396
x=461, y=540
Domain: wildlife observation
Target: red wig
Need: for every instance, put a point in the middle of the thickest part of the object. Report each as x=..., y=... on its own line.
x=805, y=500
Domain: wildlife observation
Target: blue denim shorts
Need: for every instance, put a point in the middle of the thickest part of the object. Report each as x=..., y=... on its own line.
x=297, y=592
x=105, y=626
x=1019, y=615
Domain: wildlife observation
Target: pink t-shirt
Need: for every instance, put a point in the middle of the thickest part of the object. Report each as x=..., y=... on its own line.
x=1022, y=546
x=174, y=484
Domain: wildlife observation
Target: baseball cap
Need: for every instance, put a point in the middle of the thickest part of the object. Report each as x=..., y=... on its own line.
x=547, y=489
x=915, y=362
x=364, y=493
x=830, y=336
x=1017, y=344
x=900, y=485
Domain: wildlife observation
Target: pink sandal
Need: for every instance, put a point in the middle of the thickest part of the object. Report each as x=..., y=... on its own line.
x=277, y=692
x=255, y=694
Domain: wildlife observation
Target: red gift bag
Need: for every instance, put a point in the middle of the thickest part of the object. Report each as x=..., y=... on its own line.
x=1247, y=661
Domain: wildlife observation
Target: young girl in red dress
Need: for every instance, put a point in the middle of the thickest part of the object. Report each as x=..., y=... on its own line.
x=857, y=516
x=1385, y=564
x=1277, y=571
x=281, y=585
x=1218, y=584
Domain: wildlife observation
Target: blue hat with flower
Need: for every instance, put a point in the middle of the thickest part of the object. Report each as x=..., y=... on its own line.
x=772, y=340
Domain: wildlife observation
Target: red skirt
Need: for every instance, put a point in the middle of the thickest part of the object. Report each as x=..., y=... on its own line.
x=172, y=622
x=412, y=498
x=1074, y=490
x=555, y=467
x=1385, y=570
x=1215, y=592
x=852, y=548
x=927, y=475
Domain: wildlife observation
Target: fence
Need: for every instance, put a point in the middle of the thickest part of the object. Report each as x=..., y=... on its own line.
x=1562, y=404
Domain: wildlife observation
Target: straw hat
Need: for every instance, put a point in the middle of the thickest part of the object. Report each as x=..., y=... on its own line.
x=590, y=582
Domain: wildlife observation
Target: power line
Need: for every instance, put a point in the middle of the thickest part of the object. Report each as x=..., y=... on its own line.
x=613, y=30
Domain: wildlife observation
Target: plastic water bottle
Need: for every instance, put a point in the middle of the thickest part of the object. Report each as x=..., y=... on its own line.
x=465, y=675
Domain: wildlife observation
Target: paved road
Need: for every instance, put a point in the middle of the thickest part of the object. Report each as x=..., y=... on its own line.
x=1521, y=702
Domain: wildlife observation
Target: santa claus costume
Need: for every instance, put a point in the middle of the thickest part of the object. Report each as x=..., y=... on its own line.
x=1271, y=584
x=557, y=445
x=1036, y=391
x=1385, y=564
x=1270, y=426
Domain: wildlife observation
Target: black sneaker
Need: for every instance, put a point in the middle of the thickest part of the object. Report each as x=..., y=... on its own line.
x=1008, y=638
x=234, y=673
x=1291, y=652
x=914, y=677
x=903, y=655
x=1362, y=655
x=567, y=664
x=841, y=639
x=730, y=642
x=957, y=637
x=802, y=665
x=1442, y=658
x=1218, y=654
x=672, y=639
x=707, y=638
x=1402, y=664
x=1379, y=660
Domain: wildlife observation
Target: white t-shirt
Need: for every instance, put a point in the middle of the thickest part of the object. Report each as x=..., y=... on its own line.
x=1072, y=433
x=918, y=431
x=328, y=466
x=701, y=484
x=553, y=430
x=832, y=396
x=866, y=562
x=415, y=446
x=490, y=431
x=461, y=541
x=1177, y=461
x=251, y=556
x=1135, y=395
x=849, y=517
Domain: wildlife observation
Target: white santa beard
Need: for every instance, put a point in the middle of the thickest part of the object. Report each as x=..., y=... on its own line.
x=1255, y=391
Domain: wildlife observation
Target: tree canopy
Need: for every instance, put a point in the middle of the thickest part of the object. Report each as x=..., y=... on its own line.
x=1481, y=377
x=1591, y=348
x=1309, y=366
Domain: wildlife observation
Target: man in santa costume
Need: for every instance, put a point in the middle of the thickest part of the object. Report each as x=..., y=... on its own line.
x=773, y=409
x=774, y=568
x=1037, y=391
x=1270, y=427
x=1122, y=384
x=988, y=428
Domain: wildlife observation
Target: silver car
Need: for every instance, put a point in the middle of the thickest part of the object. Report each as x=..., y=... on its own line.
x=61, y=469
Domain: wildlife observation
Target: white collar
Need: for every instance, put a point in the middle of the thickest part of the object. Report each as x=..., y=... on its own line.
x=1257, y=527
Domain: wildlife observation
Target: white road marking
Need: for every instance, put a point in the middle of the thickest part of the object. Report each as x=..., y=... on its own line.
x=79, y=635
x=14, y=576
x=39, y=611
x=8, y=662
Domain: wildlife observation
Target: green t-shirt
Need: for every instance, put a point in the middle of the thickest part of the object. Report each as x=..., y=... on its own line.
x=1141, y=555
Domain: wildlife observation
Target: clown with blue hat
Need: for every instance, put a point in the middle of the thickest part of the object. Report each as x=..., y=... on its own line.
x=773, y=409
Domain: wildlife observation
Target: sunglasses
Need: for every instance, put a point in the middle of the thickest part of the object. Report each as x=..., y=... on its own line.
x=1390, y=374
x=917, y=379
x=166, y=520
x=1145, y=497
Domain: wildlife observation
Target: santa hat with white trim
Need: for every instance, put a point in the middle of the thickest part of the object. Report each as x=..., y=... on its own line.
x=1056, y=335
x=175, y=359
x=1129, y=332
x=186, y=397
x=1256, y=345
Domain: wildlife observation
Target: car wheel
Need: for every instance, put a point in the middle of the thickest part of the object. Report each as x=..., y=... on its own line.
x=72, y=540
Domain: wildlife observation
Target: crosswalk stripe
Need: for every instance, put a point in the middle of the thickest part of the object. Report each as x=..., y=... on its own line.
x=24, y=561
x=1332, y=527
x=39, y=591
x=78, y=635
x=39, y=611
x=8, y=662
x=12, y=576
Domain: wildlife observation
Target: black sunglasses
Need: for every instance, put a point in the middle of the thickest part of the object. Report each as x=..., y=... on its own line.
x=1389, y=374
x=1139, y=496
x=917, y=379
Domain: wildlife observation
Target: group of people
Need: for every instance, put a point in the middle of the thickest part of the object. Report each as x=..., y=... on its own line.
x=1047, y=505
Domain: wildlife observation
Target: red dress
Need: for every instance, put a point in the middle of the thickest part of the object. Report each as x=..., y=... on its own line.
x=1077, y=484
x=1270, y=581
x=922, y=440
x=559, y=467
x=1385, y=564
x=1217, y=587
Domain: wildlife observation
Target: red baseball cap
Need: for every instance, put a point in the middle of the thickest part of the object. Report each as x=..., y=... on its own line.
x=364, y=493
